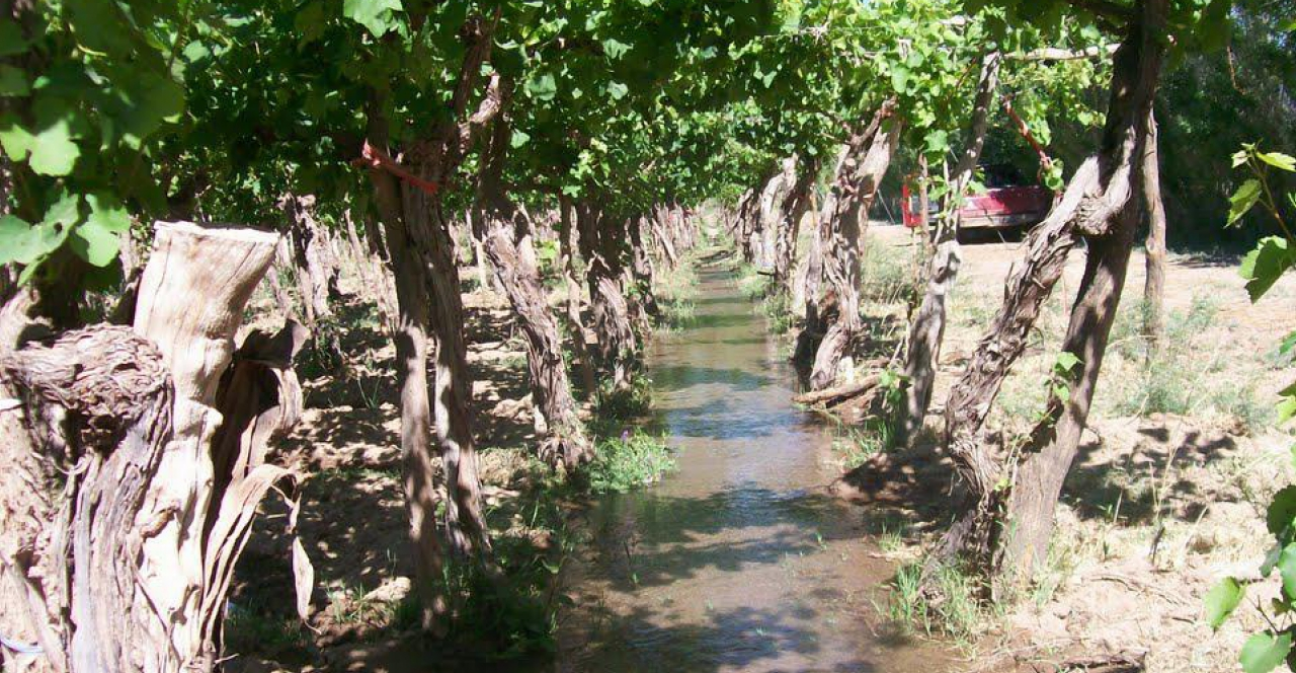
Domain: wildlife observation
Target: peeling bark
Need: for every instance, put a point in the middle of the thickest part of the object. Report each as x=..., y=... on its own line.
x=505, y=233
x=927, y=330
x=1006, y=526
x=165, y=427
x=860, y=175
x=602, y=247
x=1155, y=263
x=431, y=316
x=312, y=255
x=793, y=209
x=567, y=243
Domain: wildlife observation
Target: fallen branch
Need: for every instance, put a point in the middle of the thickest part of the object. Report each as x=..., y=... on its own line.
x=834, y=396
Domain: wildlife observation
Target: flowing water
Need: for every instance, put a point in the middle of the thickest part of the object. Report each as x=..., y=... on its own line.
x=738, y=560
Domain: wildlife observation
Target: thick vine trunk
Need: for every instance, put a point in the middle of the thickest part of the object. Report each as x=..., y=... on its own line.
x=506, y=234
x=927, y=329
x=601, y=246
x=663, y=233
x=1006, y=527
x=431, y=316
x=1154, y=283
x=312, y=254
x=771, y=214
x=567, y=243
x=642, y=274
x=125, y=563
x=796, y=202
x=857, y=183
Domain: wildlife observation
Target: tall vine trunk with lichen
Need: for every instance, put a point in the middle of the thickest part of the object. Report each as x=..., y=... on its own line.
x=1003, y=532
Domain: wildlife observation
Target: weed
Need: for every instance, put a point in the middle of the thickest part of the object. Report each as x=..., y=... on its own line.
x=633, y=401
x=249, y=628
x=633, y=460
x=952, y=607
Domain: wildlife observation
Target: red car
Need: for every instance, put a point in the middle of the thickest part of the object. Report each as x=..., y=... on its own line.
x=1005, y=203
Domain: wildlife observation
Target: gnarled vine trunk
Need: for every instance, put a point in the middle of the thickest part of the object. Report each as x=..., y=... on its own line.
x=124, y=565
x=431, y=319
x=1154, y=282
x=1006, y=526
x=858, y=178
x=602, y=246
x=567, y=244
x=927, y=330
x=505, y=233
x=796, y=202
x=313, y=257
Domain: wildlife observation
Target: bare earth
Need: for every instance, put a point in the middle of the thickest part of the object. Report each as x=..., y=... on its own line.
x=1158, y=506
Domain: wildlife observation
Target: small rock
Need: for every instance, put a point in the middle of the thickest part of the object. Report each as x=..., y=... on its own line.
x=391, y=591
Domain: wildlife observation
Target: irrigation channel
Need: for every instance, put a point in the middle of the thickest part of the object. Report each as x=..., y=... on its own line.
x=739, y=560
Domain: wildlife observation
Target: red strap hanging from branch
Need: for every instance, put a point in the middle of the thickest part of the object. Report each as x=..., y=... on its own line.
x=1024, y=130
x=378, y=160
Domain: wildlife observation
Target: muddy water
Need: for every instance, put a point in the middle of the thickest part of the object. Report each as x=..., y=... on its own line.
x=737, y=561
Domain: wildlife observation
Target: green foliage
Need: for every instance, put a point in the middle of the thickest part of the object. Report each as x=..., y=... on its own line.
x=952, y=608
x=1270, y=260
x=631, y=461
x=621, y=403
x=91, y=91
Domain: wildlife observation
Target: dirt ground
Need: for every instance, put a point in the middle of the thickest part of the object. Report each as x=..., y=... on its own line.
x=1170, y=488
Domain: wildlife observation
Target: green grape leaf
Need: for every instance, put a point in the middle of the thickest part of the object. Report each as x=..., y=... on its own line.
x=1066, y=361
x=1287, y=406
x=900, y=80
x=1222, y=600
x=1262, y=267
x=19, y=241
x=108, y=212
x=11, y=38
x=378, y=16
x=542, y=88
x=1278, y=160
x=50, y=151
x=1243, y=200
x=1263, y=652
x=1282, y=510
x=101, y=27
x=94, y=243
x=617, y=90
x=1287, y=569
x=615, y=48
x=13, y=81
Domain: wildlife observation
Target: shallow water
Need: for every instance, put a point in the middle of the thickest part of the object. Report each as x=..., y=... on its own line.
x=738, y=560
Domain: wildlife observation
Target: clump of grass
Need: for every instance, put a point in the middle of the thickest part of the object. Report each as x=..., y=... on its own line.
x=511, y=611
x=778, y=309
x=752, y=284
x=633, y=460
x=632, y=401
x=675, y=314
x=949, y=606
x=887, y=276
x=251, y=629
x=1188, y=373
x=857, y=445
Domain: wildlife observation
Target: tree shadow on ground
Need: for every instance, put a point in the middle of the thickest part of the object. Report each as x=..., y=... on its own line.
x=1148, y=481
